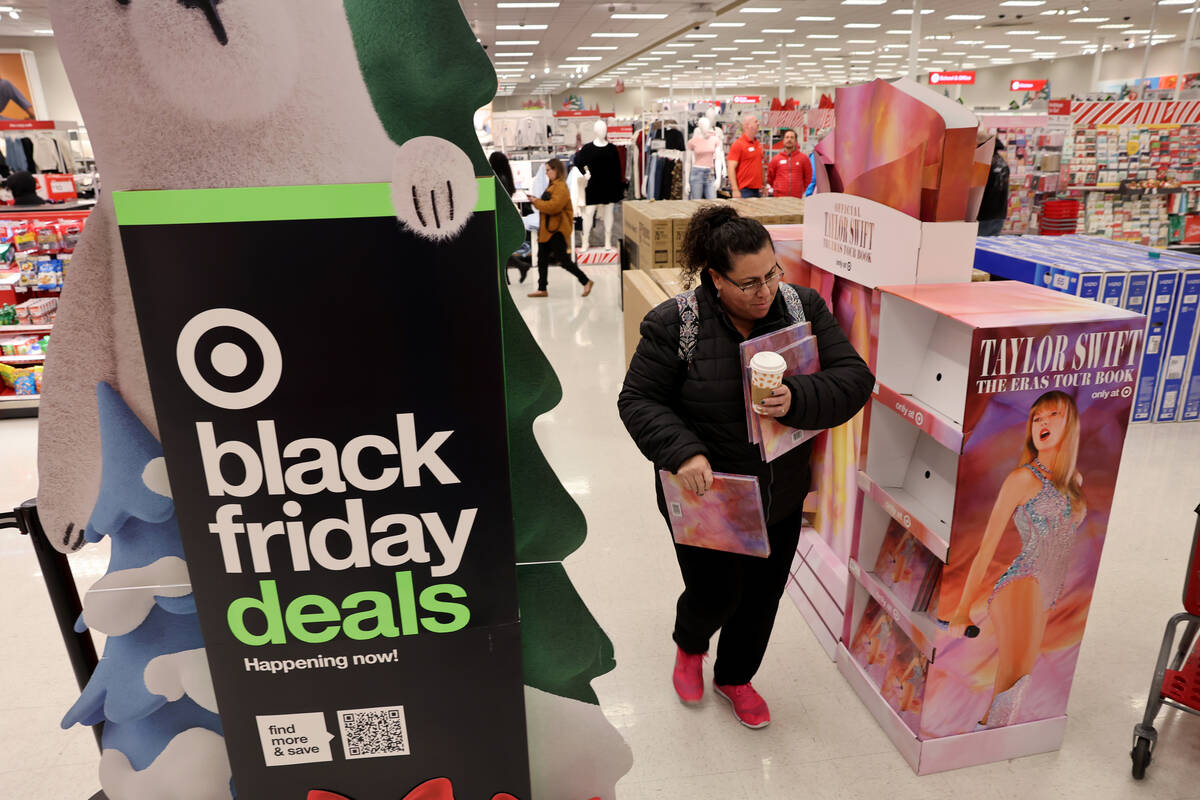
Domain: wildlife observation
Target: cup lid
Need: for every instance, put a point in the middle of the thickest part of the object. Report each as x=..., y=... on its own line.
x=768, y=361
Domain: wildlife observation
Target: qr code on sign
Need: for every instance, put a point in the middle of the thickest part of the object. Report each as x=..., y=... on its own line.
x=374, y=732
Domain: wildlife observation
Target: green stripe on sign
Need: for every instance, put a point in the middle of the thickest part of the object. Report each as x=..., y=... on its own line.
x=267, y=203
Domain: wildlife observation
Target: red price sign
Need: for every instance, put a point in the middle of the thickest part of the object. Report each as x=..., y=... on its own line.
x=941, y=78
x=1027, y=86
x=752, y=99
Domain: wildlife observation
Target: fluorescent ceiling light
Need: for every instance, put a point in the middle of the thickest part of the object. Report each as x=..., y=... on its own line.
x=725, y=49
x=891, y=55
x=523, y=28
x=954, y=53
x=863, y=2
x=1021, y=50
x=526, y=5
x=1045, y=55
x=595, y=47
x=899, y=32
x=861, y=41
x=822, y=36
x=682, y=44
x=779, y=30
x=638, y=16
x=705, y=55
x=862, y=25
x=827, y=49
x=662, y=53
x=1051, y=38
x=1116, y=25
x=583, y=58
x=854, y=61
x=1022, y=33
x=814, y=19
x=965, y=42
x=762, y=52
x=701, y=36
x=1090, y=19
x=1175, y=2
x=926, y=49
x=517, y=42
x=512, y=55
x=741, y=58
x=795, y=44
x=1137, y=32
x=995, y=47
x=966, y=17
x=1023, y=3
x=1075, y=41
x=908, y=11
x=760, y=10
x=726, y=24
x=748, y=41
x=612, y=35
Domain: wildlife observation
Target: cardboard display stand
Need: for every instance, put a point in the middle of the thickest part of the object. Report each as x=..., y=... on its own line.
x=977, y=384
x=849, y=245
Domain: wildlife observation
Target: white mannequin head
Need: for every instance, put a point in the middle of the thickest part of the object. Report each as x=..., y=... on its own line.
x=704, y=125
x=601, y=131
x=711, y=115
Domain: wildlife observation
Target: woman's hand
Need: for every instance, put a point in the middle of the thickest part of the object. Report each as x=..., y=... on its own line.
x=696, y=474
x=777, y=403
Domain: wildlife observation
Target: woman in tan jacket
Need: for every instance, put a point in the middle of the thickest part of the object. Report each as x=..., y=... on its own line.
x=557, y=223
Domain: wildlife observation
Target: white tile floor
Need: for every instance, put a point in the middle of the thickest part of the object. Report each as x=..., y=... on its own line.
x=822, y=743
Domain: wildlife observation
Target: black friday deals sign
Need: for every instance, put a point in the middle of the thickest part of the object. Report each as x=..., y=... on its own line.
x=329, y=391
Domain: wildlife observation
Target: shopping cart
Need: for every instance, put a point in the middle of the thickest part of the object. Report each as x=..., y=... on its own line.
x=1177, y=686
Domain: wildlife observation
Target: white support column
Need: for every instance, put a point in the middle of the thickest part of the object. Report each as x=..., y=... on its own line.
x=1187, y=43
x=813, y=97
x=914, y=40
x=1095, y=85
x=1146, y=53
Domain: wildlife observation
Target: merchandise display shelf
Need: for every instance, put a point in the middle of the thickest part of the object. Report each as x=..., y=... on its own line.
x=18, y=329
x=819, y=585
x=951, y=752
x=967, y=375
x=27, y=359
x=900, y=506
x=921, y=628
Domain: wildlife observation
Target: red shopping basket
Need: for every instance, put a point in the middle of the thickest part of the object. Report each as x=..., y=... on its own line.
x=1058, y=217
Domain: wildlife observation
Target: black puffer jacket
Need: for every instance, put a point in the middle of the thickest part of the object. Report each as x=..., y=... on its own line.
x=674, y=411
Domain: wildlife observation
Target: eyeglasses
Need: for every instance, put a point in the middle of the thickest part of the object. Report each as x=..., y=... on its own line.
x=771, y=280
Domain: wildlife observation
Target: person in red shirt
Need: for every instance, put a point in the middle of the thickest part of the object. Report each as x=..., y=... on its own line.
x=745, y=161
x=790, y=172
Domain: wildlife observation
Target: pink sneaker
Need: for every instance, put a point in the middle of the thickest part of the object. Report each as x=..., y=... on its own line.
x=748, y=706
x=688, y=677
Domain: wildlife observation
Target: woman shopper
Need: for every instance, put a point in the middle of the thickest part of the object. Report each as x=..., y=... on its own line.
x=688, y=416
x=556, y=224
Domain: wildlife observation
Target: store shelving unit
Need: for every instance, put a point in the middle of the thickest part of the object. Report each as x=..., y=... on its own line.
x=927, y=451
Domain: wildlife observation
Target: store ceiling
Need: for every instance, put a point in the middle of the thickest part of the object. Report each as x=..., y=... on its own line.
x=832, y=42
x=31, y=18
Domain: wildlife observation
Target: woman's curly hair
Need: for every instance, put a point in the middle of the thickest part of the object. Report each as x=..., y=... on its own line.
x=714, y=235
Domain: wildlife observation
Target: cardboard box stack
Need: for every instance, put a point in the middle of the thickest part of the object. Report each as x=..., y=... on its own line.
x=654, y=229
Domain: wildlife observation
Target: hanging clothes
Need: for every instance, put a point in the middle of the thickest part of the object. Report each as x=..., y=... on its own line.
x=14, y=153
x=27, y=143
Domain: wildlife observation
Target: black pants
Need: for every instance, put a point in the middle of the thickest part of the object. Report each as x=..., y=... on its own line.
x=736, y=594
x=555, y=251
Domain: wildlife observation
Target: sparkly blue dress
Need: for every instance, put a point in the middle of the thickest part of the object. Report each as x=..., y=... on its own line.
x=1047, y=528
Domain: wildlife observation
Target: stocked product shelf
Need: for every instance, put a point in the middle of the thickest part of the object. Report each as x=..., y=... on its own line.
x=921, y=628
x=911, y=513
x=29, y=359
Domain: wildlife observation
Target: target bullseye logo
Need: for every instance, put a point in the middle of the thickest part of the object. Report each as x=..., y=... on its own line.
x=228, y=358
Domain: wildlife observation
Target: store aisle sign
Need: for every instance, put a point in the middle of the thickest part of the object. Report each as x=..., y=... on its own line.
x=1059, y=108
x=1027, y=86
x=961, y=77
x=749, y=99
x=344, y=503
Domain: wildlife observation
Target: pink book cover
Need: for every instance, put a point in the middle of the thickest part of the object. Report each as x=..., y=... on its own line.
x=775, y=342
x=729, y=516
x=875, y=642
x=904, y=684
x=773, y=437
x=903, y=564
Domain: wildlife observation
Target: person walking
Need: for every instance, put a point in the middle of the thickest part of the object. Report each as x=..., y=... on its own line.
x=994, y=206
x=557, y=222
x=745, y=161
x=790, y=172
x=687, y=415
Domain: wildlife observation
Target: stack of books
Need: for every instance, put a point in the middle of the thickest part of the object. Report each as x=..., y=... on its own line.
x=798, y=347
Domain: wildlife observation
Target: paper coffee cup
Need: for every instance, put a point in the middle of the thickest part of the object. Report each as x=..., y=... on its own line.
x=766, y=373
